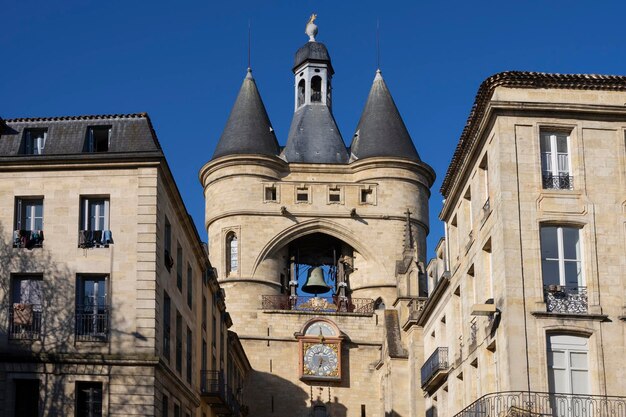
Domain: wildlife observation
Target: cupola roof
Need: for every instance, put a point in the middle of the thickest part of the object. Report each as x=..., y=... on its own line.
x=381, y=130
x=313, y=51
x=248, y=129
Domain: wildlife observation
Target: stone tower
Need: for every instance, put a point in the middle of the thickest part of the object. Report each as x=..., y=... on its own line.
x=360, y=213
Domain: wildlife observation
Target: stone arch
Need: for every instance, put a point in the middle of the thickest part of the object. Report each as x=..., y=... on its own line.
x=306, y=228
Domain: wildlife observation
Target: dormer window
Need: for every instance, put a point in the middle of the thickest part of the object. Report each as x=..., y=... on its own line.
x=34, y=141
x=98, y=138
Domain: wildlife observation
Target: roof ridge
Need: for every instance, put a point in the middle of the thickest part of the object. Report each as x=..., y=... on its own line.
x=521, y=79
x=77, y=117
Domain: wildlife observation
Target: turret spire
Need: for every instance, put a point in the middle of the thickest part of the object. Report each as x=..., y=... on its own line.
x=381, y=130
x=248, y=129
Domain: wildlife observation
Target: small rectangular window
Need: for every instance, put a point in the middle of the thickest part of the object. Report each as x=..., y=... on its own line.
x=34, y=141
x=98, y=138
x=94, y=228
x=271, y=194
x=334, y=195
x=177, y=410
x=28, y=223
x=167, y=245
x=302, y=195
x=204, y=311
x=367, y=196
x=88, y=399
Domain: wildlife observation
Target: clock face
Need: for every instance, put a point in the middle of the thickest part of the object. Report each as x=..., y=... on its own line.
x=320, y=360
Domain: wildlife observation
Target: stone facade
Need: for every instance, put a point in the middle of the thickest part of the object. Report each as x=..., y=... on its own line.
x=117, y=341
x=508, y=319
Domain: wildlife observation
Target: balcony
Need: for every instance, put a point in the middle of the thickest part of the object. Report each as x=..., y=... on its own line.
x=435, y=369
x=565, y=300
x=557, y=182
x=92, y=324
x=218, y=394
x=535, y=404
x=25, y=321
x=318, y=304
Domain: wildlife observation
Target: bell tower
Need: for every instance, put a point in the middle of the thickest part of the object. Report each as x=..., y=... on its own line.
x=312, y=71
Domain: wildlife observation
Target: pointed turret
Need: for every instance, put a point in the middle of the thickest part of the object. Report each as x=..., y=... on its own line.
x=381, y=131
x=314, y=136
x=248, y=129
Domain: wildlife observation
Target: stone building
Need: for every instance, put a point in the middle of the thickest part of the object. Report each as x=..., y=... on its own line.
x=528, y=304
x=353, y=220
x=109, y=305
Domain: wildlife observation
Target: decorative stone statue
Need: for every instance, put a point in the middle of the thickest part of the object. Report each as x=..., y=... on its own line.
x=311, y=28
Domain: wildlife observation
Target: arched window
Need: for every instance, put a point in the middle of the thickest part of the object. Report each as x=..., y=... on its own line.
x=316, y=89
x=232, y=253
x=319, y=410
x=300, y=93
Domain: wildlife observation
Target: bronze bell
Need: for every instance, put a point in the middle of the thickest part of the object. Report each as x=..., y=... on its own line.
x=315, y=283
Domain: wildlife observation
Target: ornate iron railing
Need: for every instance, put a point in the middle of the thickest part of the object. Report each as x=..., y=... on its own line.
x=438, y=361
x=92, y=323
x=222, y=397
x=557, y=182
x=544, y=404
x=562, y=299
x=25, y=321
x=332, y=304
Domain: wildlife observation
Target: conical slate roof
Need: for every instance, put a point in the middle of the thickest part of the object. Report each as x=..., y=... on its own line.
x=314, y=137
x=381, y=131
x=248, y=129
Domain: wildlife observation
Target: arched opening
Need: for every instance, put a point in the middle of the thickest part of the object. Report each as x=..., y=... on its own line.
x=232, y=253
x=319, y=410
x=301, y=87
x=316, y=89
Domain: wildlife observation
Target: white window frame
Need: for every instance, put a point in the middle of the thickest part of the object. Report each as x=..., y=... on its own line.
x=567, y=345
x=86, y=213
x=91, y=144
x=21, y=215
x=561, y=254
x=553, y=155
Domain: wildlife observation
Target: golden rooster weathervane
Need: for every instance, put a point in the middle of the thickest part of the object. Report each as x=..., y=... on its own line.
x=311, y=28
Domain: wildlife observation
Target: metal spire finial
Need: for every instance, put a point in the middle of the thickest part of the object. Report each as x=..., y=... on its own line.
x=377, y=46
x=249, y=47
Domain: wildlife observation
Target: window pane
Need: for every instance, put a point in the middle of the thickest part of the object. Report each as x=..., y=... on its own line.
x=573, y=274
x=578, y=360
x=549, y=245
x=550, y=272
x=546, y=162
x=561, y=144
x=580, y=382
x=545, y=143
x=556, y=359
x=571, y=243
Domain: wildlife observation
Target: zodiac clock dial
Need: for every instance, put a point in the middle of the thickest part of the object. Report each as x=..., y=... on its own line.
x=320, y=360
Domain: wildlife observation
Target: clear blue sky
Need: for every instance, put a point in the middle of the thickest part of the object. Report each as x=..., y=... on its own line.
x=183, y=63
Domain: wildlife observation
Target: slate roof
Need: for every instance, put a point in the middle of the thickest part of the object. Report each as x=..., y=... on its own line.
x=520, y=79
x=381, y=130
x=314, y=52
x=131, y=135
x=248, y=129
x=314, y=137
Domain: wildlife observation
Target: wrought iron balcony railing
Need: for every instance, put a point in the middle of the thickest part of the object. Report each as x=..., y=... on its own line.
x=568, y=300
x=218, y=394
x=557, y=182
x=92, y=323
x=25, y=321
x=535, y=404
x=437, y=362
x=318, y=304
